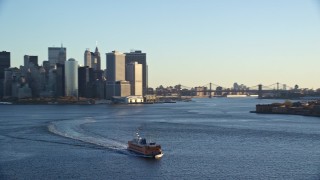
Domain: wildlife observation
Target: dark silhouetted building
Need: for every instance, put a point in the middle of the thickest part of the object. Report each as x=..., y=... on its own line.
x=30, y=59
x=4, y=62
x=83, y=81
x=60, y=80
x=97, y=59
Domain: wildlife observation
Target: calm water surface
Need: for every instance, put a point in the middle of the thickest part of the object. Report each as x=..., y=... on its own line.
x=204, y=139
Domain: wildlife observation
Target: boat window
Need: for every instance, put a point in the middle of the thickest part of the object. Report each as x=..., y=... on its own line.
x=143, y=141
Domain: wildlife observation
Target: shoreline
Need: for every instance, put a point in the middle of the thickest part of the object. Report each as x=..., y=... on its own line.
x=309, y=108
x=294, y=114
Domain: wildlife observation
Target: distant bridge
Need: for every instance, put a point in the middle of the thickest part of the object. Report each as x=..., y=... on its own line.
x=212, y=89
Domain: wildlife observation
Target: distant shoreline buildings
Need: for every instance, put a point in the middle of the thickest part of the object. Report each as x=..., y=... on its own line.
x=125, y=75
x=124, y=79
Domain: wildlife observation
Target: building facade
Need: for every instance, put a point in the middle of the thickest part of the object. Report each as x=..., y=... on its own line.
x=97, y=59
x=134, y=76
x=87, y=58
x=141, y=58
x=57, y=55
x=71, y=78
x=60, y=80
x=92, y=59
x=115, y=66
x=7, y=83
x=28, y=60
x=83, y=81
x=4, y=62
x=115, y=72
x=122, y=88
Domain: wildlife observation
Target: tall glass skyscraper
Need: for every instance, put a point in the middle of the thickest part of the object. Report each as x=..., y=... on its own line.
x=71, y=77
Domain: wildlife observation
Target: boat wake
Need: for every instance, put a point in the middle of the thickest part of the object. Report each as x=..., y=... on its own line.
x=72, y=129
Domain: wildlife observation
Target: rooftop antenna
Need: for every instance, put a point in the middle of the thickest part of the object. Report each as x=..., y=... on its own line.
x=96, y=43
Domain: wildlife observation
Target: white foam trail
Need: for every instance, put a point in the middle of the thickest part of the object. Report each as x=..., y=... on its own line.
x=72, y=129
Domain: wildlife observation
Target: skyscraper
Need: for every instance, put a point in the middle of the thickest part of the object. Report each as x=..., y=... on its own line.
x=60, y=80
x=62, y=57
x=98, y=59
x=4, y=62
x=83, y=81
x=134, y=76
x=71, y=78
x=92, y=59
x=115, y=72
x=57, y=55
x=115, y=66
x=7, y=82
x=87, y=58
x=141, y=58
x=30, y=59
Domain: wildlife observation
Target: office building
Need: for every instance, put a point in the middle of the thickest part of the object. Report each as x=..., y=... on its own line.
x=141, y=58
x=97, y=59
x=92, y=59
x=87, y=58
x=122, y=88
x=83, y=81
x=57, y=55
x=62, y=57
x=71, y=78
x=28, y=60
x=4, y=62
x=134, y=76
x=115, y=66
x=46, y=66
x=60, y=80
x=51, y=84
x=115, y=72
x=7, y=82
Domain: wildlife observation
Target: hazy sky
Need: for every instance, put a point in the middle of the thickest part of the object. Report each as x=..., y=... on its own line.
x=187, y=41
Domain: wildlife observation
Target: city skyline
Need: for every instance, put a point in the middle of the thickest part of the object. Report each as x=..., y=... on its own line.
x=187, y=43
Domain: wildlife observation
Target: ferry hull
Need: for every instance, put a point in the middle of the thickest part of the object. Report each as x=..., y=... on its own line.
x=148, y=151
x=158, y=156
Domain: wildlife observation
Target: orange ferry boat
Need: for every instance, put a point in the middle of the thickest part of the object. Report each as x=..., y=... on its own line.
x=139, y=145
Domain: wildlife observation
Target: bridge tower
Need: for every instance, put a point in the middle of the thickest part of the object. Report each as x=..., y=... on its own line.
x=210, y=91
x=260, y=91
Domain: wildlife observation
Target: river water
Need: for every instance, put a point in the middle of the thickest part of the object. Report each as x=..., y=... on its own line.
x=204, y=139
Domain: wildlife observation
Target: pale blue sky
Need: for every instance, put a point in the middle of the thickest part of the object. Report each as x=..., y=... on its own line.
x=187, y=41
